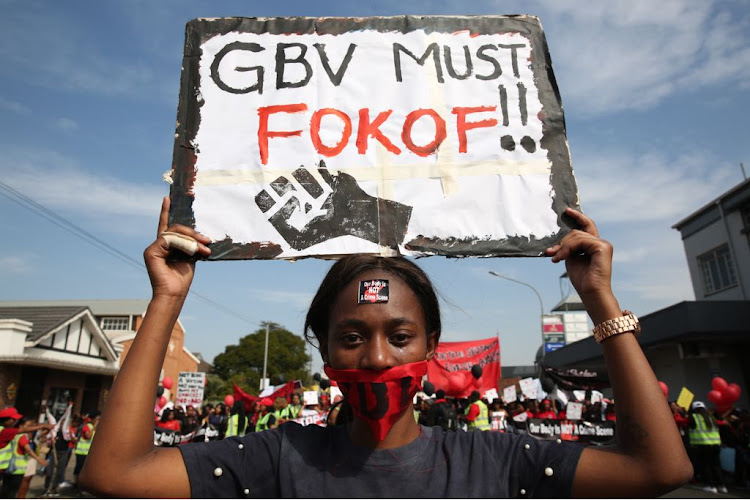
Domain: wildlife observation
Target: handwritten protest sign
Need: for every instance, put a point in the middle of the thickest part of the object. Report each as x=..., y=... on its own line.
x=509, y=394
x=190, y=388
x=685, y=398
x=301, y=137
x=310, y=397
x=528, y=387
x=574, y=410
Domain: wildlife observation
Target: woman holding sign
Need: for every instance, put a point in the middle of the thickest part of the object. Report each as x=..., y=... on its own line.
x=377, y=322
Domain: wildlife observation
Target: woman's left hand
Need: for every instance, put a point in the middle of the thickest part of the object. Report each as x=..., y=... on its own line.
x=588, y=260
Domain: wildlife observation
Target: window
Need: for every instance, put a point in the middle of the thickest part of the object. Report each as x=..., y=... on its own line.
x=116, y=323
x=717, y=269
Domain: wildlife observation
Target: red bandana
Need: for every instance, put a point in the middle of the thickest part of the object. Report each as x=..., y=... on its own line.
x=380, y=397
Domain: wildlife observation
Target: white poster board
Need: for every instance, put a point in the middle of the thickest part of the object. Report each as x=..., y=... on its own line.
x=190, y=387
x=528, y=387
x=509, y=394
x=414, y=135
x=310, y=398
x=491, y=395
x=573, y=410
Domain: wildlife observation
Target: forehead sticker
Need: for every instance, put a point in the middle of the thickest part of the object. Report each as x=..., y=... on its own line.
x=373, y=291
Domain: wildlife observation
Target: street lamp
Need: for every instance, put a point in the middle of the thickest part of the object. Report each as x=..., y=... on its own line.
x=541, y=304
x=263, y=382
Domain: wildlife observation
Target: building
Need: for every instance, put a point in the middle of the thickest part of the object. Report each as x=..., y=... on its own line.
x=689, y=343
x=54, y=350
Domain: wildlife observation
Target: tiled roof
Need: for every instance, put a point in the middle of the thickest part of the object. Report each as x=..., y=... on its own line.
x=43, y=318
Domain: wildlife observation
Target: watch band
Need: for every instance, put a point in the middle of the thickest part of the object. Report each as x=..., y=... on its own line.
x=628, y=322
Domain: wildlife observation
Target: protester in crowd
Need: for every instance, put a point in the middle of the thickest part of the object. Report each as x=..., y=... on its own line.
x=252, y=419
x=280, y=411
x=169, y=421
x=546, y=410
x=476, y=414
x=219, y=419
x=385, y=346
x=593, y=412
x=498, y=416
x=267, y=419
x=682, y=420
x=324, y=402
x=61, y=451
x=206, y=411
x=441, y=413
x=610, y=415
x=295, y=407
x=84, y=438
x=237, y=422
x=20, y=448
x=704, y=437
x=38, y=443
x=190, y=422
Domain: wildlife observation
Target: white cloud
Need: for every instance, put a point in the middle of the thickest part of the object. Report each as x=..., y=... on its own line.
x=14, y=106
x=66, y=125
x=651, y=186
x=15, y=264
x=58, y=182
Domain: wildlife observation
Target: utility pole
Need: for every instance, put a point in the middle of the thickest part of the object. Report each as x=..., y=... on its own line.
x=265, y=362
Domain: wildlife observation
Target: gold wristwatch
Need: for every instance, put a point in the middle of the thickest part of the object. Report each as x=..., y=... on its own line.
x=628, y=322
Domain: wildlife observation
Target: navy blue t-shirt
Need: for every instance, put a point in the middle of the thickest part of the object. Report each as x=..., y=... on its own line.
x=312, y=461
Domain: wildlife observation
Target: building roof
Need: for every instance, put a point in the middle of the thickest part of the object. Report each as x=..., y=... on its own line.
x=571, y=302
x=709, y=212
x=44, y=319
x=99, y=307
x=712, y=320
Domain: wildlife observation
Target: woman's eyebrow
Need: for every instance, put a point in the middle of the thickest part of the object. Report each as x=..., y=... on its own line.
x=351, y=323
x=394, y=322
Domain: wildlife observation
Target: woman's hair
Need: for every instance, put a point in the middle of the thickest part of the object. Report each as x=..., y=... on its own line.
x=165, y=414
x=345, y=270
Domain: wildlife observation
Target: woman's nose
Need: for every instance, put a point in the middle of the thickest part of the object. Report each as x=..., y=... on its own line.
x=378, y=355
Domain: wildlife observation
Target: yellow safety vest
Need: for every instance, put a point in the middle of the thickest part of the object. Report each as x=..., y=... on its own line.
x=5, y=453
x=701, y=435
x=416, y=416
x=482, y=422
x=233, y=425
x=83, y=445
x=18, y=461
x=282, y=414
x=262, y=424
x=294, y=410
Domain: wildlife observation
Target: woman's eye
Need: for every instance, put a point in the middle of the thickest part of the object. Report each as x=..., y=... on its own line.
x=351, y=338
x=400, y=338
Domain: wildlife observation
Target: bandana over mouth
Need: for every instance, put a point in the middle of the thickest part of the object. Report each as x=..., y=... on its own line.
x=380, y=397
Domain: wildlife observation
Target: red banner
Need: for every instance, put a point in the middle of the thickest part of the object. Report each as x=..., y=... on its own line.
x=247, y=399
x=450, y=368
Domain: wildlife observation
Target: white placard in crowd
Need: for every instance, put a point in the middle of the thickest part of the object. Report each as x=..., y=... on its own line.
x=335, y=391
x=561, y=396
x=509, y=394
x=310, y=398
x=573, y=411
x=579, y=395
x=596, y=396
x=491, y=395
x=528, y=387
x=540, y=392
x=521, y=417
x=190, y=388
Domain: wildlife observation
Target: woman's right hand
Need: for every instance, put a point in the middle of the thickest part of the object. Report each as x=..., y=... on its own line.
x=171, y=278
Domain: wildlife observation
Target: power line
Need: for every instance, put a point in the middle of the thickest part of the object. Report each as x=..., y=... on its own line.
x=21, y=199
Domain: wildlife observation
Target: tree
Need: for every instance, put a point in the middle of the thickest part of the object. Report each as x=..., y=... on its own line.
x=243, y=363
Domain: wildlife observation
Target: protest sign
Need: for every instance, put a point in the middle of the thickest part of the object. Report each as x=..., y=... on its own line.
x=417, y=135
x=571, y=431
x=509, y=394
x=450, y=367
x=528, y=387
x=573, y=410
x=335, y=391
x=190, y=388
x=316, y=419
x=491, y=395
x=685, y=398
x=310, y=398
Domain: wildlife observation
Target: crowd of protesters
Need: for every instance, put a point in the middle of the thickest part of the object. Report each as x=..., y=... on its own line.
x=28, y=448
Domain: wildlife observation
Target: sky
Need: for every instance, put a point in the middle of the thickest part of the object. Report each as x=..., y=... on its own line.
x=655, y=96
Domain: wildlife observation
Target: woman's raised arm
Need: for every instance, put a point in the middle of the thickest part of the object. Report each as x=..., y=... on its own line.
x=123, y=460
x=649, y=458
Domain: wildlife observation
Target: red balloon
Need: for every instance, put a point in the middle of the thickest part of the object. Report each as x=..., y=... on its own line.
x=664, y=388
x=718, y=384
x=162, y=401
x=731, y=393
x=229, y=400
x=715, y=397
x=166, y=382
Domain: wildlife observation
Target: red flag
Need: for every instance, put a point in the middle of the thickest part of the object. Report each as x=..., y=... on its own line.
x=450, y=367
x=247, y=399
x=286, y=390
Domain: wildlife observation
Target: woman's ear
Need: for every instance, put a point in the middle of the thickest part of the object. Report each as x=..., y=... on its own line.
x=431, y=345
x=323, y=350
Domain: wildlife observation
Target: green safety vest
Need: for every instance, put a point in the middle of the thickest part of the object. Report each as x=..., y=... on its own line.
x=482, y=422
x=18, y=461
x=702, y=435
x=416, y=415
x=262, y=424
x=5, y=453
x=83, y=445
x=282, y=413
x=233, y=425
x=294, y=411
